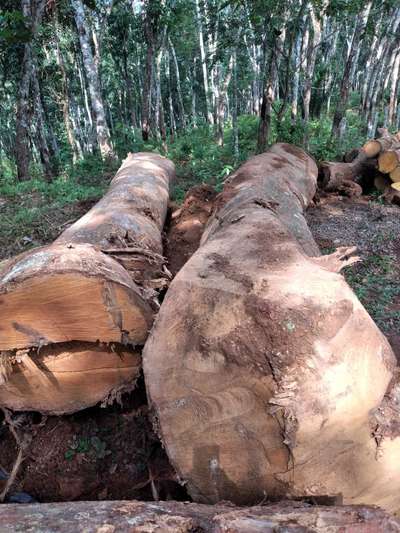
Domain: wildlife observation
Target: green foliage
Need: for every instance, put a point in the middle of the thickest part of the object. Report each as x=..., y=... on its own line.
x=92, y=446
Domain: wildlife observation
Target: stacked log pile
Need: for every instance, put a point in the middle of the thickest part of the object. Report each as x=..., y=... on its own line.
x=73, y=313
x=378, y=157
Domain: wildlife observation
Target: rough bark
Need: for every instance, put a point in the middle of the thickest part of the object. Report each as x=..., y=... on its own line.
x=92, y=76
x=93, y=284
x=177, y=517
x=263, y=367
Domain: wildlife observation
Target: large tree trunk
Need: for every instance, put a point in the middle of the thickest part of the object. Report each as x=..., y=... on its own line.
x=174, y=517
x=93, y=284
x=92, y=76
x=265, y=383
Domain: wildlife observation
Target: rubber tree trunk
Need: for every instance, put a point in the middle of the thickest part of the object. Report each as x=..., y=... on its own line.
x=92, y=285
x=93, y=80
x=265, y=383
x=199, y=23
x=172, y=517
x=32, y=13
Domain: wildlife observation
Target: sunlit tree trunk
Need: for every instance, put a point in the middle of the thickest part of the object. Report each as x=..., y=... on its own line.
x=346, y=79
x=209, y=115
x=221, y=102
x=312, y=51
x=182, y=117
x=92, y=76
x=394, y=87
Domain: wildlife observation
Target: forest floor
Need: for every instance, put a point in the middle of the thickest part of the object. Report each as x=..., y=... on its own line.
x=375, y=229
x=112, y=453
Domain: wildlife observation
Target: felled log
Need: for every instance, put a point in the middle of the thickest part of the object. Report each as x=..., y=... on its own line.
x=395, y=175
x=388, y=161
x=390, y=191
x=263, y=367
x=336, y=176
x=75, y=291
x=173, y=517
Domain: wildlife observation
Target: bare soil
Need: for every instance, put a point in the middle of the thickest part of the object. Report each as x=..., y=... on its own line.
x=186, y=225
x=98, y=454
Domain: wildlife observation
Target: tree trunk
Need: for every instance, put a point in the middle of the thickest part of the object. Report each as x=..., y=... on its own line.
x=209, y=115
x=284, y=367
x=65, y=102
x=235, y=111
x=174, y=517
x=41, y=136
x=394, y=89
x=33, y=13
x=268, y=98
x=84, y=288
x=312, y=51
x=146, y=98
x=178, y=85
x=92, y=76
x=221, y=102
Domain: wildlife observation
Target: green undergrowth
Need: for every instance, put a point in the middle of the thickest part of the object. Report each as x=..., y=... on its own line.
x=32, y=212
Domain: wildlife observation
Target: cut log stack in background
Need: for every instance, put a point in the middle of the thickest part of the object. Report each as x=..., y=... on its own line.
x=379, y=158
x=266, y=376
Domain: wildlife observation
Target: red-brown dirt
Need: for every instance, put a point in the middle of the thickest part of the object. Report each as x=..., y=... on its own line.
x=97, y=454
x=186, y=225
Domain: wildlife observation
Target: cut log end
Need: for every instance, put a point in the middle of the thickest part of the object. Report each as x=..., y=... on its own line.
x=60, y=294
x=388, y=161
x=372, y=148
x=66, y=378
x=395, y=175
